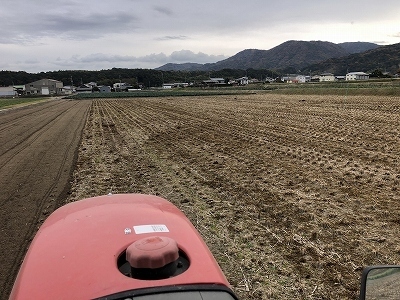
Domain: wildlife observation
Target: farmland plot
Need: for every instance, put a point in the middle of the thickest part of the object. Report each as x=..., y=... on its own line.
x=294, y=195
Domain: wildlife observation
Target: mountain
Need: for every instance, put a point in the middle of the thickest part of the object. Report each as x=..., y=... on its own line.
x=357, y=47
x=291, y=54
x=296, y=54
x=384, y=58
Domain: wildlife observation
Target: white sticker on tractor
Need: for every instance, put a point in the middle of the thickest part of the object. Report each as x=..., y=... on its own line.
x=150, y=228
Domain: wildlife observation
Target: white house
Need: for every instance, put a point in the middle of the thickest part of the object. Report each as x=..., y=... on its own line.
x=168, y=85
x=326, y=77
x=357, y=76
x=294, y=78
x=175, y=85
x=68, y=89
x=242, y=80
x=340, y=77
x=121, y=86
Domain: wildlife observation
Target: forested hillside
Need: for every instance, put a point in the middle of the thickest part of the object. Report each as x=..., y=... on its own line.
x=289, y=56
x=384, y=58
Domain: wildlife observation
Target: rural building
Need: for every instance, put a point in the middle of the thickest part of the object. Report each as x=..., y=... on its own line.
x=357, y=76
x=175, y=85
x=84, y=88
x=121, y=86
x=315, y=78
x=242, y=80
x=294, y=78
x=92, y=84
x=104, y=89
x=44, y=87
x=239, y=81
x=214, y=81
x=68, y=89
x=168, y=85
x=340, y=77
x=269, y=79
x=7, y=91
x=326, y=77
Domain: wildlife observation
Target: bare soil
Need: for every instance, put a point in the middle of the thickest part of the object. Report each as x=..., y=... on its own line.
x=294, y=195
x=38, y=147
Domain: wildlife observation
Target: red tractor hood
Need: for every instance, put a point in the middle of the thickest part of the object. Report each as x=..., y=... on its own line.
x=74, y=254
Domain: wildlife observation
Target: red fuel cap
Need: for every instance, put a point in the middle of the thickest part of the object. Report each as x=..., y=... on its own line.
x=152, y=252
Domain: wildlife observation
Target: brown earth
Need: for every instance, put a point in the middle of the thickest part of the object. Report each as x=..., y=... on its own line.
x=293, y=194
x=37, y=152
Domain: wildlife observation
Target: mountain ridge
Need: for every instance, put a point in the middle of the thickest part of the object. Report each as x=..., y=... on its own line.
x=292, y=54
x=384, y=58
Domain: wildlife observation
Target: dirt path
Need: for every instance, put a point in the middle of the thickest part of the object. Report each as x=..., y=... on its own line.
x=37, y=150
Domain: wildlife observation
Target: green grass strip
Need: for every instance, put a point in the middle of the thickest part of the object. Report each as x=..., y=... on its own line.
x=10, y=102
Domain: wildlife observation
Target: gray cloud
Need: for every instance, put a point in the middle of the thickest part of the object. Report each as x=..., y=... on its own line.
x=169, y=37
x=136, y=33
x=154, y=59
x=163, y=10
x=96, y=61
x=68, y=23
x=184, y=56
x=96, y=23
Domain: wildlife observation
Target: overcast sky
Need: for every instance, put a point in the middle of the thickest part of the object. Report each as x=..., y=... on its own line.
x=44, y=35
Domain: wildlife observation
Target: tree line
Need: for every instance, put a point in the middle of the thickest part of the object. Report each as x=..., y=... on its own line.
x=134, y=77
x=142, y=77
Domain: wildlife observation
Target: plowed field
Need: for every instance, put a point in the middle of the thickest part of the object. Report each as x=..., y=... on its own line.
x=38, y=144
x=293, y=194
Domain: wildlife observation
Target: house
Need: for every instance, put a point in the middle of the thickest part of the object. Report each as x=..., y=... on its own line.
x=175, y=85
x=294, y=78
x=357, y=76
x=269, y=79
x=104, y=89
x=92, y=84
x=326, y=77
x=239, y=81
x=44, y=87
x=315, y=78
x=168, y=85
x=242, y=80
x=84, y=88
x=7, y=91
x=121, y=86
x=68, y=89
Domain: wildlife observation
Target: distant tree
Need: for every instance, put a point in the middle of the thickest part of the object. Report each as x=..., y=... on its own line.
x=376, y=73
